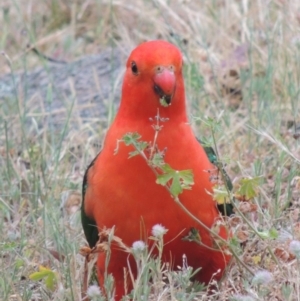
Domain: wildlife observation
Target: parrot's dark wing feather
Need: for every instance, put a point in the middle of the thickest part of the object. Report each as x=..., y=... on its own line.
x=225, y=209
x=89, y=225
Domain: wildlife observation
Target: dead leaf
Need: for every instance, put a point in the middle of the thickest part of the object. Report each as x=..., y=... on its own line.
x=296, y=182
x=56, y=255
x=242, y=236
x=70, y=201
x=283, y=254
x=235, y=221
x=246, y=207
x=294, y=214
x=84, y=251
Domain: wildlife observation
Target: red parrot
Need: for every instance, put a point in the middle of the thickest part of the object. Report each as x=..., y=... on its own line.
x=122, y=192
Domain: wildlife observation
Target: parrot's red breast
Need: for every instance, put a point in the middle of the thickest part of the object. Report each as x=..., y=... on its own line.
x=123, y=192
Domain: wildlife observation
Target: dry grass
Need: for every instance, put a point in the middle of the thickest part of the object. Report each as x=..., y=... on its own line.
x=241, y=68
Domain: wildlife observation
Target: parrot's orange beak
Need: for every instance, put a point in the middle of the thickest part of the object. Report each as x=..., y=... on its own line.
x=164, y=83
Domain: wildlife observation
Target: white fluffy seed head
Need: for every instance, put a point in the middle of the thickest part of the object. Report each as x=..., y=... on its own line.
x=159, y=230
x=93, y=291
x=138, y=246
x=262, y=277
x=294, y=248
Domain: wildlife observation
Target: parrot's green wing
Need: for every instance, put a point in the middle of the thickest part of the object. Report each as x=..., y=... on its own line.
x=225, y=209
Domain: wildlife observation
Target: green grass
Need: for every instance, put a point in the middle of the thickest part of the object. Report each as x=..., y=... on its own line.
x=42, y=168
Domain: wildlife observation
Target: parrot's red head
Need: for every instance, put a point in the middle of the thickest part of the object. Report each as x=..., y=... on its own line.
x=153, y=80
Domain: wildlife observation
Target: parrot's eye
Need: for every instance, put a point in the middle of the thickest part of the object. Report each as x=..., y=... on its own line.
x=134, y=68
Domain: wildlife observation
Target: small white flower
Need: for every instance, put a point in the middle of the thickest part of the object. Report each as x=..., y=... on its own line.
x=138, y=246
x=93, y=291
x=159, y=230
x=262, y=277
x=295, y=248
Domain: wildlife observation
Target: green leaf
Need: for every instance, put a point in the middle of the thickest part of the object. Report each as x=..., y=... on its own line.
x=220, y=195
x=179, y=179
x=8, y=245
x=193, y=235
x=131, y=138
x=157, y=160
x=234, y=242
x=176, y=188
x=142, y=145
x=37, y=276
x=187, y=176
x=272, y=234
x=164, y=179
x=45, y=274
x=133, y=154
x=167, y=168
x=249, y=187
x=263, y=234
x=50, y=281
